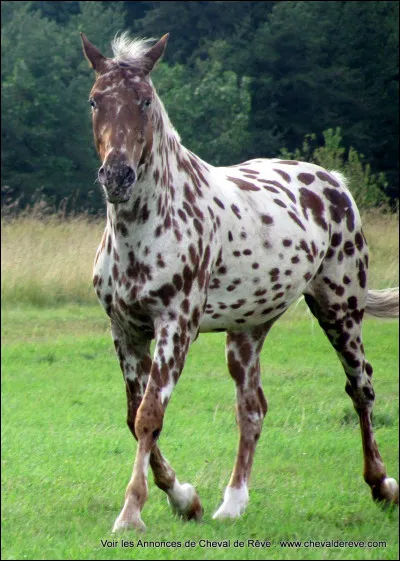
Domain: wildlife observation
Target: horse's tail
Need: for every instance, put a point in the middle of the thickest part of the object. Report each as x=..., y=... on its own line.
x=383, y=303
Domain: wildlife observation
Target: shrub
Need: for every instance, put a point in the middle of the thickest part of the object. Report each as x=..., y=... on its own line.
x=367, y=188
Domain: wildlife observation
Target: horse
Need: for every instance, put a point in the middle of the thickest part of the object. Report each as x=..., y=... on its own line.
x=191, y=248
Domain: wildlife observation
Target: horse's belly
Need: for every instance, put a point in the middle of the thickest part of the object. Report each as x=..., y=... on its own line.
x=251, y=289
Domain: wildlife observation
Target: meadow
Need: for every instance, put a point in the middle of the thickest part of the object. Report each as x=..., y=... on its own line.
x=47, y=260
x=67, y=454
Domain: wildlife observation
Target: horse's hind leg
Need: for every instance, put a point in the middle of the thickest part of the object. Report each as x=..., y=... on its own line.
x=243, y=350
x=340, y=313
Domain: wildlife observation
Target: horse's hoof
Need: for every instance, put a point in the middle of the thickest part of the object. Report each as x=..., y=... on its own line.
x=234, y=503
x=387, y=493
x=121, y=525
x=186, y=503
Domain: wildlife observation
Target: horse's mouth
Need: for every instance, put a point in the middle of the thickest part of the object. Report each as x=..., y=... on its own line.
x=118, y=195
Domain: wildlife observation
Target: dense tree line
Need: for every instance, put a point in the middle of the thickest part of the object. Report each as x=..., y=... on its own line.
x=239, y=80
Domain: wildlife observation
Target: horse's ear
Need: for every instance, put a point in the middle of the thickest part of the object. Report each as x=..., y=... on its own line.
x=155, y=53
x=96, y=60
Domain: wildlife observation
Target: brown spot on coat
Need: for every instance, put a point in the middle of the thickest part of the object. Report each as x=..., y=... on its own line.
x=296, y=219
x=271, y=182
x=359, y=241
x=349, y=248
x=339, y=203
x=219, y=203
x=284, y=175
x=235, y=368
x=265, y=219
x=309, y=199
x=236, y=211
x=243, y=185
x=306, y=178
x=166, y=292
x=336, y=239
x=323, y=176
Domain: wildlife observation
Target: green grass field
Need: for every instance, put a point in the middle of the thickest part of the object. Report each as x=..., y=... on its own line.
x=67, y=453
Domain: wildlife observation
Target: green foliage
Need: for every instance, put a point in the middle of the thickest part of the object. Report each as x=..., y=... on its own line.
x=367, y=188
x=210, y=110
x=249, y=78
x=313, y=66
x=46, y=145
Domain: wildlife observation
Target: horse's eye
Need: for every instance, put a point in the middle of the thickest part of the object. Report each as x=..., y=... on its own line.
x=146, y=103
x=93, y=103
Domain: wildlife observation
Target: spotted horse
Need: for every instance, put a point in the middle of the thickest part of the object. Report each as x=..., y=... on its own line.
x=189, y=248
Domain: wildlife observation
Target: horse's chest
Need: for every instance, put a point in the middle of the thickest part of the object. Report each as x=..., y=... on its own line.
x=136, y=287
x=120, y=282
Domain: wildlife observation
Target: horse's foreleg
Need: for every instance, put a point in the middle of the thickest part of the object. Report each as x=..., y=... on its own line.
x=183, y=498
x=135, y=362
x=170, y=353
x=243, y=350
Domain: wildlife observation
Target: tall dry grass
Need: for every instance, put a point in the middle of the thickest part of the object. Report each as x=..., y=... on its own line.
x=382, y=233
x=48, y=261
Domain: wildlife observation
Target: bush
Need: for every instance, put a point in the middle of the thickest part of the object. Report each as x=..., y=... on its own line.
x=367, y=188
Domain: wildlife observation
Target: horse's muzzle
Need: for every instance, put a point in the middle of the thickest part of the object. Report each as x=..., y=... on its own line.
x=117, y=180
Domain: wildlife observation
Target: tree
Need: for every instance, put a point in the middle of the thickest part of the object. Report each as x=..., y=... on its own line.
x=194, y=25
x=210, y=109
x=318, y=65
x=249, y=78
x=45, y=145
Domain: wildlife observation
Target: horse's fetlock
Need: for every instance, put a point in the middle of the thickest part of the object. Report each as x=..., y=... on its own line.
x=369, y=393
x=156, y=433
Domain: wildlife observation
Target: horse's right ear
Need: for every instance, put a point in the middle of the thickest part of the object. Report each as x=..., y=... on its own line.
x=96, y=60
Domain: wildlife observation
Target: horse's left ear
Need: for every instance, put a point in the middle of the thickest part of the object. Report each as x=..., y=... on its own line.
x=156, y=52
x=96, y=60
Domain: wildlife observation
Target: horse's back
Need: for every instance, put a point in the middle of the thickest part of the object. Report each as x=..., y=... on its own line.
x=281, y=223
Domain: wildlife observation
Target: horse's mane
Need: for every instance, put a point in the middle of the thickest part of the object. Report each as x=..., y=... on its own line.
x=130, y=50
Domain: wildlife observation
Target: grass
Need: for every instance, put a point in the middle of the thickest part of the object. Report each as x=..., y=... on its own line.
x=67, y=453
x=48, y=261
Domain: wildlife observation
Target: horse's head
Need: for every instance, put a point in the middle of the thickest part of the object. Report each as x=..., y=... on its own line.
x=121, y=101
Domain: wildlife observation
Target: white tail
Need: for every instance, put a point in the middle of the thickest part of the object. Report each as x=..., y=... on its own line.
x=383, y=303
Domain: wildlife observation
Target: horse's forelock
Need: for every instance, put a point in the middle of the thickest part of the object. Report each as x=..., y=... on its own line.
x=130, y=51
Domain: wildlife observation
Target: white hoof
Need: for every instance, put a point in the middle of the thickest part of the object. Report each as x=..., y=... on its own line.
x=184, y=501
x=234, y=504
x=121, y=525
x=390, y=490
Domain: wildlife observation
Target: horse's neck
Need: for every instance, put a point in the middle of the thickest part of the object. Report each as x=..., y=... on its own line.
x=168, y=178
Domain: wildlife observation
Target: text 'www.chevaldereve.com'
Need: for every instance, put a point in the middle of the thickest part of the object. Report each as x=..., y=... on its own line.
x=253, y=543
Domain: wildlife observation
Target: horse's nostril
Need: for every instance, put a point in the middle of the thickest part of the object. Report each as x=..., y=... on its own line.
x=130, y=175
x=127, y=175
x=118, y=174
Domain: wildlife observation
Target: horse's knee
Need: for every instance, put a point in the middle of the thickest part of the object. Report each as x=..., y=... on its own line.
x=362, y=394
x=149, y=420
x=130, y=421
x=262, y=400
x=134, y=396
